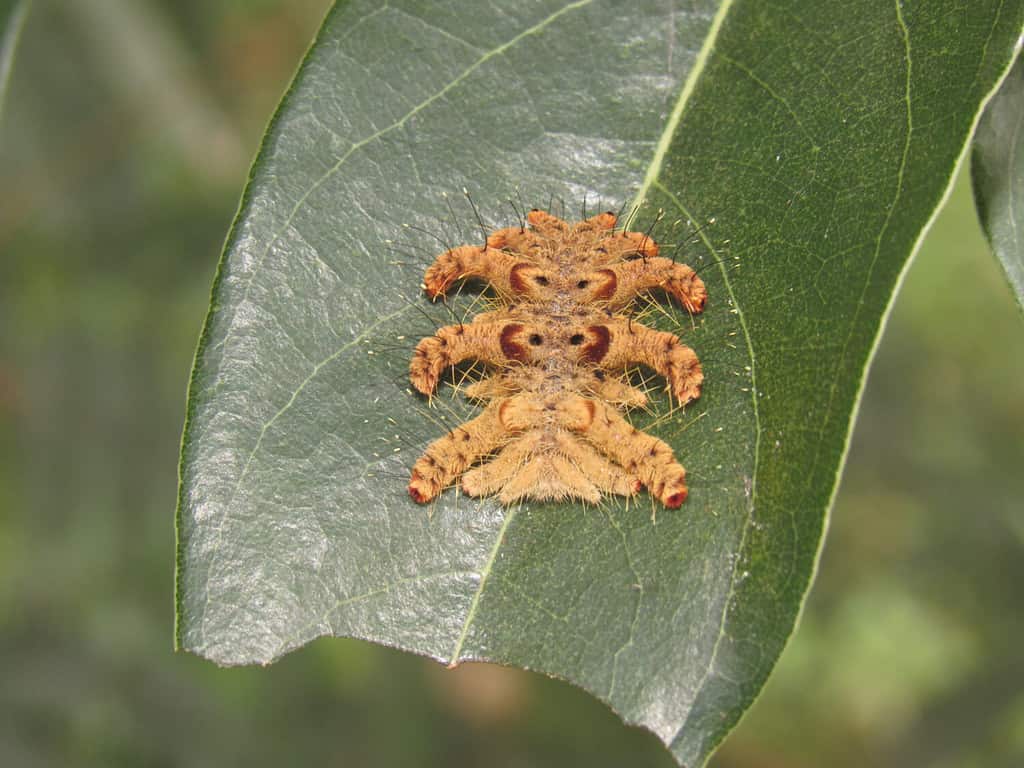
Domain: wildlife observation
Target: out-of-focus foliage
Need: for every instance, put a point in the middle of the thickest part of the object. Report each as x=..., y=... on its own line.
x=111, y=219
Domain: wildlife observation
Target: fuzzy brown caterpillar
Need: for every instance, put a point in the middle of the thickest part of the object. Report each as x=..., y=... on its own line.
x=556, y=354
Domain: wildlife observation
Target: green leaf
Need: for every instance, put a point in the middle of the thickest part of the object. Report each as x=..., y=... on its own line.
x=997, y=172
x=811, y=145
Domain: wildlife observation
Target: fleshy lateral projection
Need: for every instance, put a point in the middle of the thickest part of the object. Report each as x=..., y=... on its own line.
x=556, y=356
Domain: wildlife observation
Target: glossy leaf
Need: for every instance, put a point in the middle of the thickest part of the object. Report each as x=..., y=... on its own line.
x=807, y=146
x=997, y=171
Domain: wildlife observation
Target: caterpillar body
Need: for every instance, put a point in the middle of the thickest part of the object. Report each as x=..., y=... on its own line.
x=556, y=352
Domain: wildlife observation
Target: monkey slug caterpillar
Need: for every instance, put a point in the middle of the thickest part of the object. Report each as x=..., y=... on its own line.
x=556, y=355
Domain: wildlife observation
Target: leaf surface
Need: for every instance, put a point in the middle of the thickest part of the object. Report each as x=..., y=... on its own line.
x=808, y=146
x=997, y=173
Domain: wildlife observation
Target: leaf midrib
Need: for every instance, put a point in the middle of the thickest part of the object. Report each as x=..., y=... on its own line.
x=651, y=180
x=676, y=116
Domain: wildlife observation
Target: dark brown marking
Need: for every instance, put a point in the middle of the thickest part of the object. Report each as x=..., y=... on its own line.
x=509, y=348
x=516, y=279
x=607, y=290
x=595, y=351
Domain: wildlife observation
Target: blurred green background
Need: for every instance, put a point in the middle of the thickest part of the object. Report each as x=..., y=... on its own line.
x=124, y=146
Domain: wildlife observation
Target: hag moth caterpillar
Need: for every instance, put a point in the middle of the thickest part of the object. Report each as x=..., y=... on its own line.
x=556, y=353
